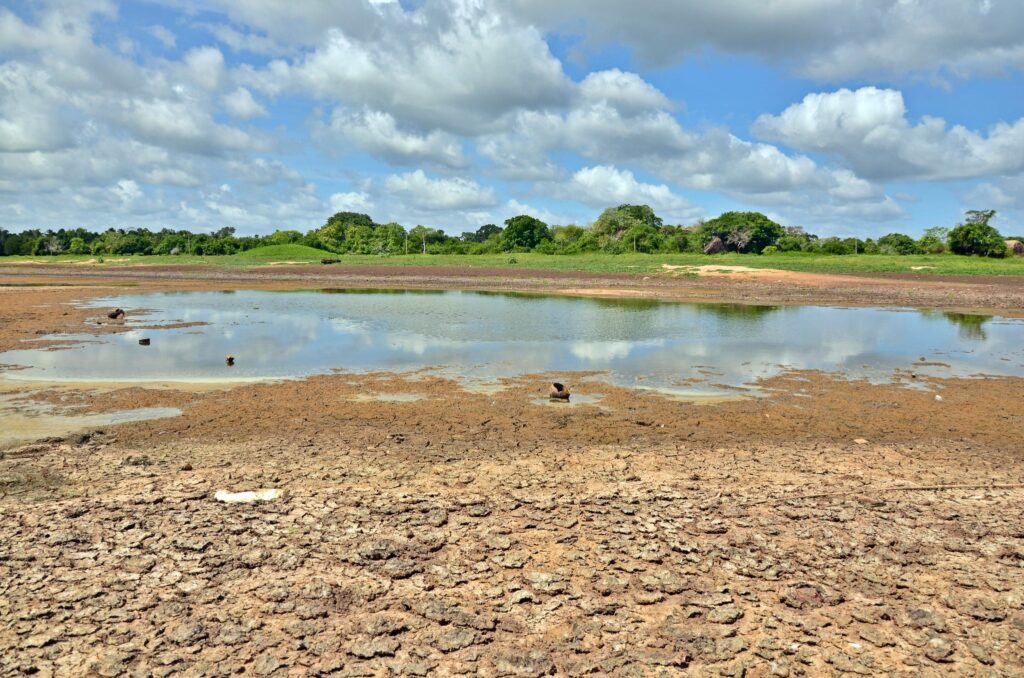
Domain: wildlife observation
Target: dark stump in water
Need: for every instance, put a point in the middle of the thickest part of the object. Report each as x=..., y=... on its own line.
x=143, y=342
x=558, y=391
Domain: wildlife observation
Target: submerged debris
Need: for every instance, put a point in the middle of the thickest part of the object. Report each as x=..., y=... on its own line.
x=144, y=342
x=230, y=360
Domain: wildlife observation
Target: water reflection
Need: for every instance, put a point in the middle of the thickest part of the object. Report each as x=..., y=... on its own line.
x=640, y=343
x=970, y=326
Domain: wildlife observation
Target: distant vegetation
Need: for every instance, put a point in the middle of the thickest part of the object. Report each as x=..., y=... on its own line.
x=626, y=229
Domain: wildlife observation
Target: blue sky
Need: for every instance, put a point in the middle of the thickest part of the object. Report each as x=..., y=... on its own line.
x=845, y=118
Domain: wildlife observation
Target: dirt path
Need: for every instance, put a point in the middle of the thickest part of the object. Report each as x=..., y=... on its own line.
x=462, y=533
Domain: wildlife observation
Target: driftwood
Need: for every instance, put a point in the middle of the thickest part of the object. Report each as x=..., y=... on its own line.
x=558, y=391
x=715, y=246
x=116, y=314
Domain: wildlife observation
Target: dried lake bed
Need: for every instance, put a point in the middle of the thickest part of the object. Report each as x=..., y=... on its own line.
x=844, y=521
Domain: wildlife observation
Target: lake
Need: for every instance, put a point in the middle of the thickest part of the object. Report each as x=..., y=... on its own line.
x=676, y=348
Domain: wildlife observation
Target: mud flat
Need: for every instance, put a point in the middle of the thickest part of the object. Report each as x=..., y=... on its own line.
x=832, y=527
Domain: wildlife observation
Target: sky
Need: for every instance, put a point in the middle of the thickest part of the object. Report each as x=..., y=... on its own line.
x=847, y=118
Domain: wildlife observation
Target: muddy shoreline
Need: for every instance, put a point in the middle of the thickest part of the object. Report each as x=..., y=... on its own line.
x=1003, y=295
x=834, y=527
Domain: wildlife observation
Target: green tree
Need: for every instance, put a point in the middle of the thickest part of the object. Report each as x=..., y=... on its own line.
x=566, y=238
x=898, y=243
x=77, y=246
x=977, y=238
x=524, y=233
x=934, y=240
x=741, y=231
x=421, y=238
x=642, y=238
x=482, y=234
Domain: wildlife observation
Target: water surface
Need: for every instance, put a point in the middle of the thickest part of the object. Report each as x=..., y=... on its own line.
x=679, y=348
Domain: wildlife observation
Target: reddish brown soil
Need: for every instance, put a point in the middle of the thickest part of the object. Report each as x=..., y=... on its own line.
x=832, y=528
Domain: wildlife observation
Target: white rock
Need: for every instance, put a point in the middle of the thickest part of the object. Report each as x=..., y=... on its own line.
x=246, y=497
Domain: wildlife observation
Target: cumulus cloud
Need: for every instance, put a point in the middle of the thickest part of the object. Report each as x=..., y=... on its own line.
x=377, y=133
x=247, y=93
x=624, y=91
x=868, y=129
x=455, y=66
x=240, y=103
x=604, y=185
x=423, y=193
x=353, y=201
x=823, y=39
x=205, y=67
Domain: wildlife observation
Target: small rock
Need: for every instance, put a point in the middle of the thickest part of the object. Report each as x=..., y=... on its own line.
x=377, y=647
x=725, y=615
x=450, y=640
x=939, y=650
x=266, y=664
x=187, y=633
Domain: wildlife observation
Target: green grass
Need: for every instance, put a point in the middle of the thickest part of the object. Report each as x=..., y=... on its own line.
x=942, y=264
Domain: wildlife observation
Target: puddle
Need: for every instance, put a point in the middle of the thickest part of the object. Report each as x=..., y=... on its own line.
x=574, y=399
x=26, y=421
x=480, y=338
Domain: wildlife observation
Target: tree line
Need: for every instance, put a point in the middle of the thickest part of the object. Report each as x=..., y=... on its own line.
x=618, y=230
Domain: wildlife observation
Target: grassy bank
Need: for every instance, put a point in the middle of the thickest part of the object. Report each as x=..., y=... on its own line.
x=598, y=263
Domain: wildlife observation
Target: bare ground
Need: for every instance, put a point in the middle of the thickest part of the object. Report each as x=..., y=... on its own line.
x=833, y=528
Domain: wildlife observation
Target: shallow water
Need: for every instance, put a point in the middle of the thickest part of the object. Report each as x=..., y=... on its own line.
x=25, y=421
x=683, y=349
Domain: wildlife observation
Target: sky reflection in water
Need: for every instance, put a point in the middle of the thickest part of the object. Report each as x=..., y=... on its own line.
x=486, y=335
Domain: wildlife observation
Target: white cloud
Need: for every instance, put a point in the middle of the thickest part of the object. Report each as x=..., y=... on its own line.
x=239, y=103
x=824, y=39
x=1004, y=194
x=28, y=119
x=205, y=67
x=377, y=133
x=350, y=202
x=868, y=129
x=627, y=92
x=420, y=192
x=163, y=35
x=181, y=126
x=456, y=66
x=603, y=186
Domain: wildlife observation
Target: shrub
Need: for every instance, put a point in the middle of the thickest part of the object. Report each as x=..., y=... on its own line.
x=977, y=239
x=897, y=243
x=771, y=249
